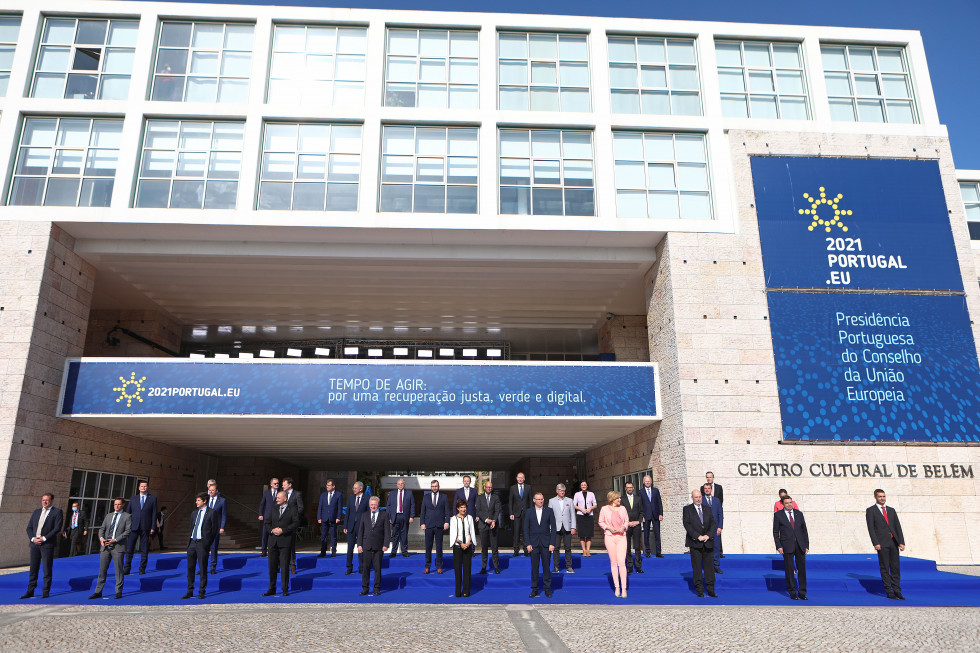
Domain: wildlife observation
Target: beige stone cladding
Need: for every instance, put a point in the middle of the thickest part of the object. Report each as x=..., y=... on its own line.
x=45, y=294
x=156, y=325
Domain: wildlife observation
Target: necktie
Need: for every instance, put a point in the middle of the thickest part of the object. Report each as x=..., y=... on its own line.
x=520, y=488
x=792, y=522
x=884, y=513
x=329, y=497
x=374, y=519
x=142, y=501
x=197, y=522
x=211, y=503
x=40, y=521
x=399, y=500
x=357, y=502
x=709, y=501
x=433, y=498
x=700, y=515
x=74, y=520
x=112, y=528
x=282, y=509
x=649, y=494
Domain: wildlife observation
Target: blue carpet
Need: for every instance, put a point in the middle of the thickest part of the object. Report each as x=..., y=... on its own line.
x=837, y=580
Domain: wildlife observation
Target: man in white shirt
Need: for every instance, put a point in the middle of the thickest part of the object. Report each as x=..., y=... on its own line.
x=116, y=528
x=43, y=528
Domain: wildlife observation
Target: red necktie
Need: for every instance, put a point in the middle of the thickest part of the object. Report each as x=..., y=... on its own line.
x=884, y=512
x=399, y=500
x=792, y=522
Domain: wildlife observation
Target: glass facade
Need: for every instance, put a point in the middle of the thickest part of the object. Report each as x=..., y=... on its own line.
x=761, y=80
x=970, y=192
x=429, y=169
x=543, y=72
x=868, y=84
x=654, y=75
x=66, y=162
x=203, y=62
x=546, y=172
x=85, y=59
x=434, y=69
x=310, y=167
x=661, y=175
x=9, y=28
x=190, y=164
x=94, y=492
x=317, y=64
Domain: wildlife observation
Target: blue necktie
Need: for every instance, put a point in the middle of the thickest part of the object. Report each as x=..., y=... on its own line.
x=142, y=501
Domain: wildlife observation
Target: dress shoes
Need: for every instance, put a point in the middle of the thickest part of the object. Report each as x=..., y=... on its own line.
x=639, y=571
x=483, y=571
x=377, y=593
x=547, y=593
x=555, y=570
x=97, y=595
x=118, y=595
x=44, y=595
x=898, y=595
x=143, y=571
x=263, y=555
x=425, y=571
x=466, y=595
x=803, y=597
x=364, y=592
x=322, y=555
x=533, y=594
x=660, y=555
x=28, y=595
x=794, y=597
x=712, y=594
x=647, y=555
x=700, y=595
x=188, y=595
x=285, y=592
x=718, y=570
x=572, y=571
x=200, y=594
x=270, y=592
x=292, y=569
x=333, y=554
x=438, y=570
x=404, y=555
x=496, y=571
x=722, y=555
x=213, y=572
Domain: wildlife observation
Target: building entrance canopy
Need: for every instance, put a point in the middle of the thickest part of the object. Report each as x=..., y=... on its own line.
x=357, y=412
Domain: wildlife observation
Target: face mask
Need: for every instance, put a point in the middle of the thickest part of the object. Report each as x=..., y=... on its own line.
x=74, y=509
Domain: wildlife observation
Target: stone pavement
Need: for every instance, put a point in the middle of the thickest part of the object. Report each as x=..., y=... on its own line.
x=538, y=628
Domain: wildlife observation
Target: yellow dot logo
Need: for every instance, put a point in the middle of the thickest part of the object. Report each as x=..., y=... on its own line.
x=130, y=389
x=825, y=212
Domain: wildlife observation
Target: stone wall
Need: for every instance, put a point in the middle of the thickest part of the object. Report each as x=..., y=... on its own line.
x=158, y=326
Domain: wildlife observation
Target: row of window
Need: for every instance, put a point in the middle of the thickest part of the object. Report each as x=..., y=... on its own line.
x=194, y=164
x=431, y=68
x=970, y=191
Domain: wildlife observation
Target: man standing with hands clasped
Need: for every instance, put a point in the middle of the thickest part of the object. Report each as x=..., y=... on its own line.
x=886, y=536
x=699, y=524
x=540, y=533
x=435, y=523
x=793, y=543
x=281, y=522
x=143, y=508
x=43, y=528
x=113, y=535
x=374, y=533
x=204, y=528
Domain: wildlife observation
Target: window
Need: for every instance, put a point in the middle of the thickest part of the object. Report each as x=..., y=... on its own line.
x=94, y=492
x=203, y=62
x=661, y=175
x=432, y=68
x=310, y=167
x=653, y=76
x=85, y=59
x=190, y=165
x=429, y=169
x=318, y=64
x=543, y=72
x=970, y=191
x=868, y=84
x=546, y=172
x=9, y=27
x=761, y=80
x=66, y=162
x=636, y=478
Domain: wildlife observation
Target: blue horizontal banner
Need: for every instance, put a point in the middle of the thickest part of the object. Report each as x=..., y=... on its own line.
x=126, y=387
x=838, y=223
x=875, y=367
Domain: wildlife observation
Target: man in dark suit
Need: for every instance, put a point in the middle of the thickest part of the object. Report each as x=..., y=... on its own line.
x=540, y=533
x=718, y=512
x=887, y=538
x=357, y=505
x=281, y=522
x=653, y=514
x=218, y=505
x=328, y=515
x=699, y=526
x=488, y=515
x=267, y=503
x=793, y=543
x=518, y=502
x=435, y=522
x=143, y=508
x=43, y=528
x=634, y=545
x=294, y=498
x=76, y=526
x=113, y=533
x=204, y=529
x=401, y=513
x=718, y=493
x=374, y=533
x=467, y=494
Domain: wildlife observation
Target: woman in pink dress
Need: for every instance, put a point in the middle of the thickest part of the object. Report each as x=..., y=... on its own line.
x=613, y=521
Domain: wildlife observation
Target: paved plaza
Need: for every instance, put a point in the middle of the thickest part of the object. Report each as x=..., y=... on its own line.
x=533, y=628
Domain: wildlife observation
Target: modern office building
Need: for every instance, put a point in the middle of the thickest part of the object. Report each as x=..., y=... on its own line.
x=308, y=240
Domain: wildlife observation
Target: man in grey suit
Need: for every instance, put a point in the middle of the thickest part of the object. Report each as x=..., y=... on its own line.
x=113, y=534
x=489, y=515
x=565, y=521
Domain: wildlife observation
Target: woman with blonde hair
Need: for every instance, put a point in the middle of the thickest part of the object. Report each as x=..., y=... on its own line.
x=613, y=520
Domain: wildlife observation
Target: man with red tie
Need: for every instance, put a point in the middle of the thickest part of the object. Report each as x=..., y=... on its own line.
x=793, y=543
x=401, y=513
x=886, y=536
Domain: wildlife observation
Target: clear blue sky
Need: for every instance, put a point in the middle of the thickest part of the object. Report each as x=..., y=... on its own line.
x=949, y=29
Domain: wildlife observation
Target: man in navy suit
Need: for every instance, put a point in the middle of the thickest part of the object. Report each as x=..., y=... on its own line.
x=43, y=528
x=793, y=543
x=718, y=512
x=204, y=528
x=887, y=538
x=373, y=535
x=328, y=515
x=699, y=529
x=653, y=514
x=357, y=505
x=467, y=494
x=435, y=522
x=217, y=504
x=540, y=533
x=294, y=498
x=281, y=524
x=401, y=513
x=143, y=508
x=265, y=505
